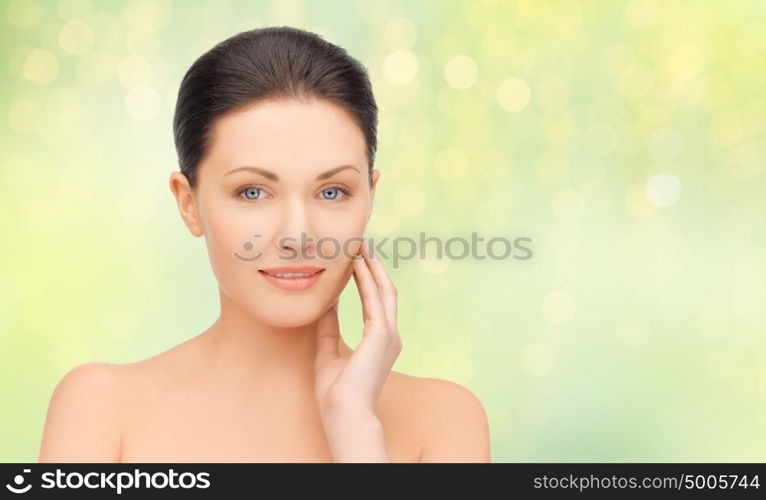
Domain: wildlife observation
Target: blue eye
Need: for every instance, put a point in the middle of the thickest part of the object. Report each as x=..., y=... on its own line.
x=334, y=192
x=251, y=193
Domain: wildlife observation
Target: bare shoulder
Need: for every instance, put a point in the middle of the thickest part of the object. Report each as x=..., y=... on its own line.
x=88, y=409
x=83, y=419
x=452, y=420
x=161, y=369
x=437, y=395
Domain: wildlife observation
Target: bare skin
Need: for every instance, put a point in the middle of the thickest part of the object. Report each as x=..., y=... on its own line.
x=186, y=415
x=161, y=410
x=272, y=378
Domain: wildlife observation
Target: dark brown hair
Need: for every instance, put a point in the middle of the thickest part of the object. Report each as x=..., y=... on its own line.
x=272, y=63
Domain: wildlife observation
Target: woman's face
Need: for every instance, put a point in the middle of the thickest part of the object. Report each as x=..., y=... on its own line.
x=272, y=192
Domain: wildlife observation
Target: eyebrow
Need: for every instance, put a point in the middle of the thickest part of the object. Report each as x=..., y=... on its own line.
x=274, y=177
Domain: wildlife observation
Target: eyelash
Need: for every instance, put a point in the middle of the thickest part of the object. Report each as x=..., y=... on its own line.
x=240, y=192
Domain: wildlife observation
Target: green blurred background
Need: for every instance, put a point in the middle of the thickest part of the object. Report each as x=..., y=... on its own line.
x=625, y=138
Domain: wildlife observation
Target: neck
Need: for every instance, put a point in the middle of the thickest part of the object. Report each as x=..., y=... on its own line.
x=242, y=346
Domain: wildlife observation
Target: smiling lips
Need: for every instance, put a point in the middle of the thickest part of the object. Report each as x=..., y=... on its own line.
x=292, y=278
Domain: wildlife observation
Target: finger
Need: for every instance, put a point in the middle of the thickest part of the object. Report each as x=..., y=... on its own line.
x=328, y=335
x=372, y=305
x=368, y=291
x=387, y=289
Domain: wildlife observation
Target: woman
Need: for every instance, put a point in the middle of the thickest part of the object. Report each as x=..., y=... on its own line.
x=275, y=131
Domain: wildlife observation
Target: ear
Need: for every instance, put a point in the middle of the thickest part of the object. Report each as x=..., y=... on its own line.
x=374, y=184
x=187, y=202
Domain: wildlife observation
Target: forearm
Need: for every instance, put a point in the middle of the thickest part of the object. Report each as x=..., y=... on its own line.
x=356, y=437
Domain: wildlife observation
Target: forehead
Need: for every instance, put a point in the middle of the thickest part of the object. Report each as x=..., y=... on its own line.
x=286, y=136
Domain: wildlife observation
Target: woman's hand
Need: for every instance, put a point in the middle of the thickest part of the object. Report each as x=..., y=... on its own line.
x=347, y=388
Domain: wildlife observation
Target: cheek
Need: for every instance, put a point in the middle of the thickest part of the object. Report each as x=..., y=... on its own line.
x=234, y=242
x=341, y=240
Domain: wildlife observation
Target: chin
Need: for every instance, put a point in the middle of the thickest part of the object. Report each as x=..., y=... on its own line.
x=288, y=312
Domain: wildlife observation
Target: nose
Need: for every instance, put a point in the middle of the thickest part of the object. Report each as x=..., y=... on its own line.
x=296, y=238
